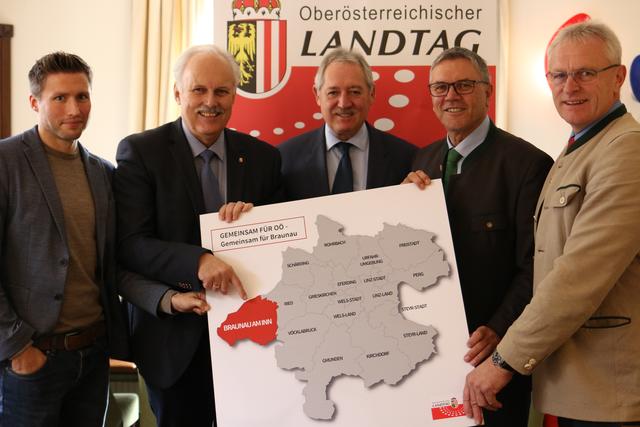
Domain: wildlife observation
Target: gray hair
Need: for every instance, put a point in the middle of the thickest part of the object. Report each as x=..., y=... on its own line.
x=583, y=31
x=343, y=55
x=210, y=49
x=462, y=53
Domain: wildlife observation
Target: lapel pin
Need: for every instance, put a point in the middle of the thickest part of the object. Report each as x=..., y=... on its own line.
x=240, y=159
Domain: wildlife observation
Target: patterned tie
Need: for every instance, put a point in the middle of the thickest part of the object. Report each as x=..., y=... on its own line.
x=451, y=167
x=343, y=182
x=209, y=182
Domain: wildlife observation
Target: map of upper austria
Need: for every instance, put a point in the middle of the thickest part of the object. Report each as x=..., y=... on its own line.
x=336, y=311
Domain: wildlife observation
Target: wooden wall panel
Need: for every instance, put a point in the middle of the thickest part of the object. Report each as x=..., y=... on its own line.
x=6, y=32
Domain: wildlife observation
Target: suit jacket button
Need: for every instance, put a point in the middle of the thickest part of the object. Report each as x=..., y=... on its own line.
x=489, y=225
x=57, y=297
x=64, y=262
x=530, y=364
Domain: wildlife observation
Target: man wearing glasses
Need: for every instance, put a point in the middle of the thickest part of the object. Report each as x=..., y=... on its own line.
x=580, y=335
x=492, y=180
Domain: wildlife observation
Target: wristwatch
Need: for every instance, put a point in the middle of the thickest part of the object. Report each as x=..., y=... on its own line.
x=498, y=361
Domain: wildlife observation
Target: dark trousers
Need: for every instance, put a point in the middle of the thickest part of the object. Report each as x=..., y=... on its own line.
x=69, y=390
x=189, y=402
x=516, y=400
x=566, y=422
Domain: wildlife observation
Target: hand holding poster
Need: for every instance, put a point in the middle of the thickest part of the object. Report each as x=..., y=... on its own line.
x=354, y=316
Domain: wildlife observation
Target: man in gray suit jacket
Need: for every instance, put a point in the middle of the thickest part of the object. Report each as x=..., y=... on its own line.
x=347, y=153
x=59, y=311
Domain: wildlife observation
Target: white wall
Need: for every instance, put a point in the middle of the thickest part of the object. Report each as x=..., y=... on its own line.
x=531, y=113
x=98, y=31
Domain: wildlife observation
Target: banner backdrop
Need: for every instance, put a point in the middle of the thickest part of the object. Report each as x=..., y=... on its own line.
x=279, y=45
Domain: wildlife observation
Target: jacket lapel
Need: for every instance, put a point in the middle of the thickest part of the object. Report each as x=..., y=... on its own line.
x=316, y=161
x=440, y=158
x=96, y=176
x=37, y=159
x=236, y=152
x=183, y=157
x=378, y=163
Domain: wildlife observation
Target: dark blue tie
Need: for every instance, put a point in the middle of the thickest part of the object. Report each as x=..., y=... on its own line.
x=210, y=185
x=343, y=182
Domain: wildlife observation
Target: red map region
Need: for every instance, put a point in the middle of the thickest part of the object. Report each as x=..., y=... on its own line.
x=257, y=320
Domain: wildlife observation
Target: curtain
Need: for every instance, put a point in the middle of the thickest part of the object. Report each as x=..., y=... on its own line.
x=160, y=31
x=502, y=74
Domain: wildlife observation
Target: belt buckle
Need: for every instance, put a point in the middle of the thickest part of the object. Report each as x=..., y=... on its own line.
x=70, y=334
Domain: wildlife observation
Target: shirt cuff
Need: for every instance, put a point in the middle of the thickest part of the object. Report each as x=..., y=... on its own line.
x=165, y=302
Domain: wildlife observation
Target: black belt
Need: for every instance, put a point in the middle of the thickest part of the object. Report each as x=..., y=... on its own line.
x=74, y=340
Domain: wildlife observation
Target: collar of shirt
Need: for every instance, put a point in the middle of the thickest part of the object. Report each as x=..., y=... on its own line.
x=472, y=141
x=198, y=147
x=360, y=139
x=577, y=136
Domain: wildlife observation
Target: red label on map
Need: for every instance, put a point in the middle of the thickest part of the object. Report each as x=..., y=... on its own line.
x=256, y=320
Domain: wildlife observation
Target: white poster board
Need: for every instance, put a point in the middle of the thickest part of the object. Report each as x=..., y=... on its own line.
x=354, y=317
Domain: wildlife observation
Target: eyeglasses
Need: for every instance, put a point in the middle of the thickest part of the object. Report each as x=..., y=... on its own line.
x=583, y=75
x=462, y=87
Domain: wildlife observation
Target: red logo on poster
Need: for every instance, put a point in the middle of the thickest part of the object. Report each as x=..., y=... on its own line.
x=257, y=38
x=447, y=409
